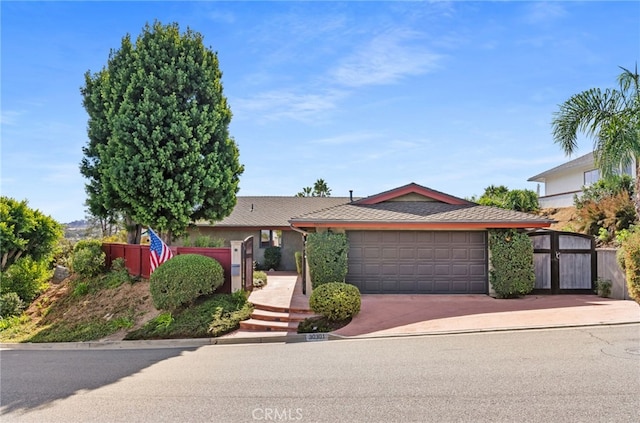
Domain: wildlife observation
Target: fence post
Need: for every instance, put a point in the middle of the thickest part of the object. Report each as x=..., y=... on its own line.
x=236, y=265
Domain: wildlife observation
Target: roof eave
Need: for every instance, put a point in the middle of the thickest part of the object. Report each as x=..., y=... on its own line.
x=528, y=224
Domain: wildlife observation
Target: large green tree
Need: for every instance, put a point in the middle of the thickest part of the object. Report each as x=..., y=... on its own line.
x=159, y=150
x=25, y=232
x=611, y=117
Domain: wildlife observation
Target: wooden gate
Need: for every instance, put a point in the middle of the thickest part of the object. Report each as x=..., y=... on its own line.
x=564, y=262
x=247, y=263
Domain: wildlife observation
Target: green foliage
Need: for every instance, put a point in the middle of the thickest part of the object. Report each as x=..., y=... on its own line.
x=215, y=316
x=272, y=256
x=63, y=253
x=604, y=188
x=523, y=200
x=298, y=257
x=159, y=150
x=603, y=287
x=205, y=241
x=320, y=324
x=10, y=305
x=80, y=289
x=88, y=258
x=629, y=256
x=259, y=278
x=327, y=257
x=81, y=331
x=25, y=232
x=511, y=272
x=335, y=300
x=320, y=189
x=179, y=281
x=27, y=278
x=611, y=117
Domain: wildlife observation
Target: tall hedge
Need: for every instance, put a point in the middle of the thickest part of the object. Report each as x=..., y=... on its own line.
x=630, y=260
x=511, y=273
x=327, y=257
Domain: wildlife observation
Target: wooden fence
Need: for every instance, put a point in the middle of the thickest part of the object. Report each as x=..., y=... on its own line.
x=136, y=258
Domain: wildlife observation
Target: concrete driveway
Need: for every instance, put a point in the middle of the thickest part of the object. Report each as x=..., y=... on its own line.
x=382, y=315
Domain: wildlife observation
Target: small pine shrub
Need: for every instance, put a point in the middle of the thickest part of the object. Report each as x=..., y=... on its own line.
x=259, y=278
x=298, y=256
x=272, y=256
x=80, y=289
x=27, y=278
x=182, y=279
x=511, y=273
x=88, y=258
x=335, y=300
x=10, y=305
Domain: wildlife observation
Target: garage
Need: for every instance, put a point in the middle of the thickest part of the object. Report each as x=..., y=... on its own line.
x=418, y=262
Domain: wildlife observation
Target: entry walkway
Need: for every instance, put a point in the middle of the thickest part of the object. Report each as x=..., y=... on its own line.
x=396, y=315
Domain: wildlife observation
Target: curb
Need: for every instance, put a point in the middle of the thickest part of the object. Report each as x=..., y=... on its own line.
x=285, y=338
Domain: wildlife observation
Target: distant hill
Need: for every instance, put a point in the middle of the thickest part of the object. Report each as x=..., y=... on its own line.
x=77, y=224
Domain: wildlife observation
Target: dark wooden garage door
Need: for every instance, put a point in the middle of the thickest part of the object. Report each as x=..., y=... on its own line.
x=404, y=262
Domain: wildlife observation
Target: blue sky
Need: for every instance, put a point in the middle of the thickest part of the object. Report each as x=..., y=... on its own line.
x=366, y=95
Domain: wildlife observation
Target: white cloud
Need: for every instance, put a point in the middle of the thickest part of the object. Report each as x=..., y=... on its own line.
x=276, y=105
x=9, y=117
x=349, y=138
x=544, y=12
x=387, y=58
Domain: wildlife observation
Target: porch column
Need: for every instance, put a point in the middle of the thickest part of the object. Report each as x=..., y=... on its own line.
x=236, y=265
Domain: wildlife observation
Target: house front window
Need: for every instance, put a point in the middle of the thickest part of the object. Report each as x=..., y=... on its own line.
x=591, y=177
x=269, y=238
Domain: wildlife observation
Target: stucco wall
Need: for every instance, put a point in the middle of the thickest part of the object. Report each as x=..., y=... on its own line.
x=566, y=182
x=608, y=268
x=291, y=242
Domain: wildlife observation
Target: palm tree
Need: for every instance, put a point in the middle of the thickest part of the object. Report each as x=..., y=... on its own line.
x=306, y=192
x=321, y=189
x=612, y=118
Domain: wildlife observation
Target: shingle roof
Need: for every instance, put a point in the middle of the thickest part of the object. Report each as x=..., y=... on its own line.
x=586, y=160
x=271, y=212
x=418, y=212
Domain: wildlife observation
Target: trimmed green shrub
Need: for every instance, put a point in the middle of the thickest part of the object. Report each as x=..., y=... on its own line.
x=27, y=278
x=629, y=258
x=63, y=253
x=327, y=257
x=182, y=279
x=272, y=256
x=10, y=305
x=298, y=257
x=88, y=258
x=335, y=300
x=205, y=241
x=511, y=273
x=259, y=278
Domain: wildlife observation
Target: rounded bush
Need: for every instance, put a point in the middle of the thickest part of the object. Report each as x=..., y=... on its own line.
x=27, y=278
x=335, y=300
x=88, y=258
x=182, y=279
x=10, y=305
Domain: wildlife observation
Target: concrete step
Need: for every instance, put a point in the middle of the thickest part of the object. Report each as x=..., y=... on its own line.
x=281, y=309
x=278, y=316
x=268, y=326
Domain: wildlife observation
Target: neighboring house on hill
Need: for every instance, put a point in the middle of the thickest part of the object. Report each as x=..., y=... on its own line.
x=267, y=220
x=562, y=182
x=414, y=239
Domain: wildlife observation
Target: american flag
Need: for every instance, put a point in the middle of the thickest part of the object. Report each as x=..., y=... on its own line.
x=159, y=252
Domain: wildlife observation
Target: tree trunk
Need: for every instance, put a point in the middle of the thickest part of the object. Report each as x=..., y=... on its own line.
x=134, y=231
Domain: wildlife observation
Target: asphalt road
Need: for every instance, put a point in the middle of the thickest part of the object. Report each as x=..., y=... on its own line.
x=572, y=375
